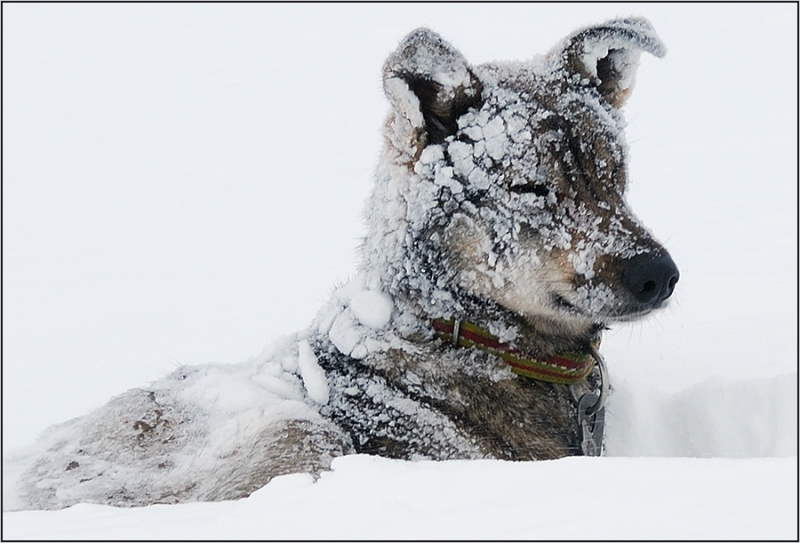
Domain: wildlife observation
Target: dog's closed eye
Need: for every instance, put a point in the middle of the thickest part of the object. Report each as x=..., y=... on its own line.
x=531, y=188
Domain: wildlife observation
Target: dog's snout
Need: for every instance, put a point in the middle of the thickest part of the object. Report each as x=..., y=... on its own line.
x=650, y=278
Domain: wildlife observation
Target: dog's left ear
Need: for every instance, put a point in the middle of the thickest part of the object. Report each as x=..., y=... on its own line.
x=430, y=85
x=608, y=55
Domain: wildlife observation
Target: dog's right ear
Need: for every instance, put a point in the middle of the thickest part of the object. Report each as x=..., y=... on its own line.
x=608, y=55
x=430, y=86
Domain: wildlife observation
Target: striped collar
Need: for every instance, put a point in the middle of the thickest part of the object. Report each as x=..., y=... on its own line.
x=568, y=368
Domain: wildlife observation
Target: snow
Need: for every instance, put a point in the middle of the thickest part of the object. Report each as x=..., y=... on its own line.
x=313, y=375
x=372, y=308
x=368, y=498
x=160, y=209
x=354, y=318
x=747, y=418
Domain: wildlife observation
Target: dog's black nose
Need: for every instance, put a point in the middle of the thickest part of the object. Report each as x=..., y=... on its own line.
x=650, y=278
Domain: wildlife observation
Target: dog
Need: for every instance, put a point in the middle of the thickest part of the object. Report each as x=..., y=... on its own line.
x=499, y=247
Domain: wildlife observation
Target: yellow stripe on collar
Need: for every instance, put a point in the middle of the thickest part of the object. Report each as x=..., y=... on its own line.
x=568, y=368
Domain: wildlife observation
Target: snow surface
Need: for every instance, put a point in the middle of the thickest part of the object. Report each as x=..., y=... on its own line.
x=160, y=208
x=368, y=497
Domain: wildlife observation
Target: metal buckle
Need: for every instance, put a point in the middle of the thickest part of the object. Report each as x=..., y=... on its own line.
x=591, y=412
x=456, y=331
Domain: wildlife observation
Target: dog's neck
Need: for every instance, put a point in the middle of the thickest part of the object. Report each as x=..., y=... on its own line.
x=537, y=336
x=545, y=336
x=566, y=368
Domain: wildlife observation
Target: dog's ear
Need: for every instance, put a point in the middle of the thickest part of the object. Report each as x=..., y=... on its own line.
x=608, y=55
x=430, y=85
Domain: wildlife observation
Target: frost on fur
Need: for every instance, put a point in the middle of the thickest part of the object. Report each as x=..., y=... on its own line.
x=541, y=142
x=499, y=199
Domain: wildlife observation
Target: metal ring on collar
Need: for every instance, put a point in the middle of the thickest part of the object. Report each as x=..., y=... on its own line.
x=603, y=381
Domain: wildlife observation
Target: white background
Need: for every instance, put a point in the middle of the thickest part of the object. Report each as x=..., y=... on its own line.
x=183, y=183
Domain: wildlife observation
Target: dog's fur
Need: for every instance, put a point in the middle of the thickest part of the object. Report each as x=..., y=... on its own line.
x=499, y=200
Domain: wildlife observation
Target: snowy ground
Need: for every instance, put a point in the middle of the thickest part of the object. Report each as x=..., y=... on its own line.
x=183, y=184
x=375, y=498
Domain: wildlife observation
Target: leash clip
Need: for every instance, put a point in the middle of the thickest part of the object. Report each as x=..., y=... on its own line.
x=591, y=411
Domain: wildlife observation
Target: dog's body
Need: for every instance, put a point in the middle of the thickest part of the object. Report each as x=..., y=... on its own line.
x=499, y=202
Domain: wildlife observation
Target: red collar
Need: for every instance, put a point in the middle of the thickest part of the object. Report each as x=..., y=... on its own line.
x=568, y=368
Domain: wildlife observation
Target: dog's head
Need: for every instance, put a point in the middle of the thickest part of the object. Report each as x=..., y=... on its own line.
x=508, y=180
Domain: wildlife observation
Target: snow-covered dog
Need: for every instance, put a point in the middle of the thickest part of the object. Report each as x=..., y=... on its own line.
x=499, y=246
